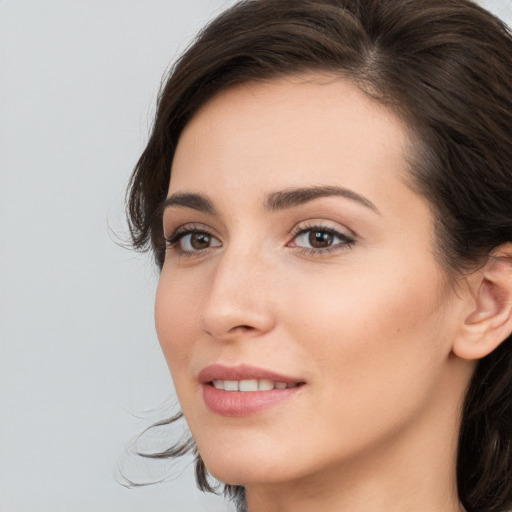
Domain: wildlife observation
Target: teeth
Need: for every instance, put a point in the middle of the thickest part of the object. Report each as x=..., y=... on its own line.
x=231, y=385
x=251, y=385
x=248, y=385
x=265, y=385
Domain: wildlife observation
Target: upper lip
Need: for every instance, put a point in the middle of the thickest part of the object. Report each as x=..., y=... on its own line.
x=242, y=372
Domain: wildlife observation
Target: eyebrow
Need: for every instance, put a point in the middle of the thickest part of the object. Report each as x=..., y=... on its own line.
x=275, y=201
x=290, y=198
x=189, y=200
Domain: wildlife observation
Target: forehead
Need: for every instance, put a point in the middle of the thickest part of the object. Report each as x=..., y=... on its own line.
x=290, y=132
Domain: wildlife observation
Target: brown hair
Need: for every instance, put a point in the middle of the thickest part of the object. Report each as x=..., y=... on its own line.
x=445, y=67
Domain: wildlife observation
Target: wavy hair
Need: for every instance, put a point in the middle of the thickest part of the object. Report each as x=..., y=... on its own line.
x=444, y=67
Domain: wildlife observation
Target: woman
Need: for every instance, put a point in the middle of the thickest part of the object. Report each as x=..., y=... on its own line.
x=328, y=194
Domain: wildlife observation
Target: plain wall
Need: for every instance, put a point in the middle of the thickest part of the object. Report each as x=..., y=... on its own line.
x=79, y=359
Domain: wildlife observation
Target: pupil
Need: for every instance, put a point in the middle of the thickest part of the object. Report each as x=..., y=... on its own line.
x=200, y=240
x=319, y=239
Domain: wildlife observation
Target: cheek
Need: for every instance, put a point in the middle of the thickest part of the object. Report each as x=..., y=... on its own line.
x=175, y=321
x=364, y=305
x=375, y=337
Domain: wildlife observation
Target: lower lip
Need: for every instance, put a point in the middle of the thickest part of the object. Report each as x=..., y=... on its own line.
x=244, y=403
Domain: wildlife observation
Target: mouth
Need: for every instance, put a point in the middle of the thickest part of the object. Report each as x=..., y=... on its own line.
x=245, y=390
x=246, y=378
x=251, y=385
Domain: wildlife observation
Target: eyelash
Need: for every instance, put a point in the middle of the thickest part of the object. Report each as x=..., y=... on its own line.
x=346, y=242
x=173, y=242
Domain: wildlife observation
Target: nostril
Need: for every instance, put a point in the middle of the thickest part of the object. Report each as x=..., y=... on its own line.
x=242, y=327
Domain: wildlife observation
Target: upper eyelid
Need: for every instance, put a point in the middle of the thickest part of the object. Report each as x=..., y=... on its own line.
x=188, y=227
x=344, y=237
x=296, y=229
x=322, y=224
x=182, y=228
x=301, y=229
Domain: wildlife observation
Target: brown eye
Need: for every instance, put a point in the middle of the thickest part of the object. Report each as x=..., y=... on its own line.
x=200, y=241
x=320, y=239
x=196, y=241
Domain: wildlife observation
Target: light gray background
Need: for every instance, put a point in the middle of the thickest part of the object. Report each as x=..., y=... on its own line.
x=79, y=360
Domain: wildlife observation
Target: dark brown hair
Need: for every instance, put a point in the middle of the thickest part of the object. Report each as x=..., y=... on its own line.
x=444, y=67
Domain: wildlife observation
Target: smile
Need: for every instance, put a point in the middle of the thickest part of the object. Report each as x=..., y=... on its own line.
x=252, y=385
x=245, y=390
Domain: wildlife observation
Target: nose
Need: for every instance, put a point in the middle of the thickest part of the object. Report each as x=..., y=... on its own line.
x=239, y=302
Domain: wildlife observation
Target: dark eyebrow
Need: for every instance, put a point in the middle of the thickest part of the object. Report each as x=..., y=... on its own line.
x=296, y=196
x=189, y=200
x=274, y=201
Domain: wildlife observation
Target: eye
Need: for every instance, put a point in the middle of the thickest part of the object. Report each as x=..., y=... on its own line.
x=317, y=239
x=192, y=240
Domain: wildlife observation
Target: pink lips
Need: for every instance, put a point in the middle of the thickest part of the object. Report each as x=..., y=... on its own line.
x=244, y=403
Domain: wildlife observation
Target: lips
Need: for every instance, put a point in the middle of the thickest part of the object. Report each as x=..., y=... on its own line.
x=242, y=372
x=244, y=390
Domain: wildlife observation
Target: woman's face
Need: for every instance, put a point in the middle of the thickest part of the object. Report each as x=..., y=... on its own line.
x=300, y=259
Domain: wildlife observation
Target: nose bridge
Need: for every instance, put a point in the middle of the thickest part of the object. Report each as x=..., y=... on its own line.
x=239, y=294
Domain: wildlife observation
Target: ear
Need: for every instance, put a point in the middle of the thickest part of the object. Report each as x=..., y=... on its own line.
x=489, y=321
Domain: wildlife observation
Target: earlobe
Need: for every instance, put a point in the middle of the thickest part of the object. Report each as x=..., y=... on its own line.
x=490, y=319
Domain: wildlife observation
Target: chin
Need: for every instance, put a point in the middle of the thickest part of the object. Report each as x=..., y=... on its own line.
x=248, y=474
x=249, y=465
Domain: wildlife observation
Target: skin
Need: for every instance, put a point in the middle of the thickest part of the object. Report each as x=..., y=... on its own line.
x=369, y=326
